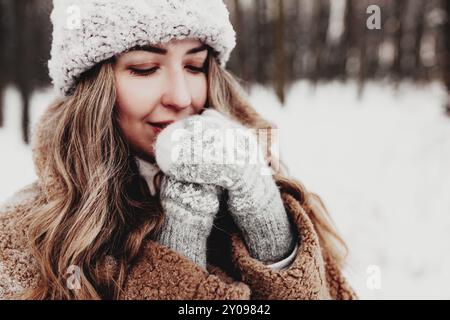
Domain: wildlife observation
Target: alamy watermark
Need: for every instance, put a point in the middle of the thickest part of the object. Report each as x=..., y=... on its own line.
x=374, y=20
x=373, y=281
x=231, y=146
x=73, y=281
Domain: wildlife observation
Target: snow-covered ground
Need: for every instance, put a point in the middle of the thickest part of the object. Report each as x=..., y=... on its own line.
x=382, y=167
x=379, y=163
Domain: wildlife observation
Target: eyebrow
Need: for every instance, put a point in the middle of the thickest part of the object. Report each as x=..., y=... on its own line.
x=162, y=51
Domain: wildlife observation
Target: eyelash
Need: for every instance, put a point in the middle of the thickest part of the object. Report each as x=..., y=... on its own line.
x=147, y=72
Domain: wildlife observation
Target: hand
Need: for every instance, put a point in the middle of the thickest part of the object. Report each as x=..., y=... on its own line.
x=199, y=149
x=189, y=213
x=189, y=210
x=193, y=150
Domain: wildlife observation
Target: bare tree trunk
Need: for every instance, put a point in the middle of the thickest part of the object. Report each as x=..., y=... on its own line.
x=363, y=43
x=261, y=39
x=446, y=59
x=280, y=53
x=399, y=9
x=23, y=70
x=419, y=30
x=362, y=74
x=293, y=38
x=241, y=51
x=2, y=88
x=25, y=95
x=348, y=36
x=321, y=16
x=373, y=42
x=3, y=54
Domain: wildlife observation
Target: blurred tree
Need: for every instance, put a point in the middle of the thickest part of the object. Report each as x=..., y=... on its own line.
x=399, y=9
x=278, y=42
x=242, y=49
x=349, y=36
x=418, y=36
x=446, y=59
x=261, y=45
x=4, y=57
x=321, y=17
x=22, y=56
x=293, y=37
x=363, y=42
x=373, y=41
x=27, y=50
x=280, y=53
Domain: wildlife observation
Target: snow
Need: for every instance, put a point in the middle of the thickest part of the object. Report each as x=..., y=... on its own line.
x=379, y=164
x=16, y=163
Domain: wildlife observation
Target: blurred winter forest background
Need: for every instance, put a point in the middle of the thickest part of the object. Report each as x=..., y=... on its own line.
x=363, y=117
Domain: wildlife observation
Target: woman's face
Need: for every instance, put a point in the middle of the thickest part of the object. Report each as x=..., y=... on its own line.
x=157, y=85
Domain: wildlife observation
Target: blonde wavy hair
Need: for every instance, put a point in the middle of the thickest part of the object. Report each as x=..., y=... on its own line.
x=107, y=208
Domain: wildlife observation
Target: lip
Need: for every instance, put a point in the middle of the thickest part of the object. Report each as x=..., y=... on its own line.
x=162, y=123
x=160, y=126
x=157, y=130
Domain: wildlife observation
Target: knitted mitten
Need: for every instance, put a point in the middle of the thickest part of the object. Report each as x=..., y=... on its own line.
x=193, y=150
x=189, y=211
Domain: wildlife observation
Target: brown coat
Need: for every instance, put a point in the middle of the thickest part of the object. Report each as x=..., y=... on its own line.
x=161, y=273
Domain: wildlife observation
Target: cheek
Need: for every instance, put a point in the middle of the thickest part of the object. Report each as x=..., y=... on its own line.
x=134, y=102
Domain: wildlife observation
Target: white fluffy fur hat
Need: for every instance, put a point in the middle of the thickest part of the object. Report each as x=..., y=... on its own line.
x=86, y=32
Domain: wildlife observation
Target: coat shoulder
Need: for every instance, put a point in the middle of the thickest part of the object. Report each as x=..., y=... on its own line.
x=18, y=269
x=311, y=275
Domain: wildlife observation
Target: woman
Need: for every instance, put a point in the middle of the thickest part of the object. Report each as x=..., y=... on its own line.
x=114, y=215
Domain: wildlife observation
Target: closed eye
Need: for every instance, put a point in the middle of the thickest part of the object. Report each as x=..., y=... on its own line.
x=143, y=72
x=196, y=70
x=147, y=72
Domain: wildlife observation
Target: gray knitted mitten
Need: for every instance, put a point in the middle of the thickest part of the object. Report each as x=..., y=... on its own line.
x=191, y=150
x=190, y=210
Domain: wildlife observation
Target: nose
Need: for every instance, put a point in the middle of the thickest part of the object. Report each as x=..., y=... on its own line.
x=177, y=94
